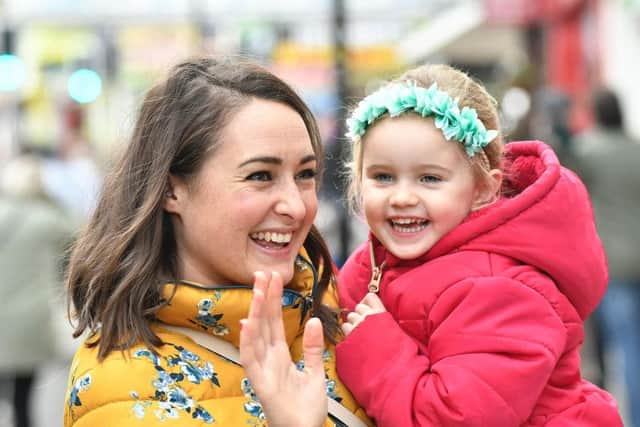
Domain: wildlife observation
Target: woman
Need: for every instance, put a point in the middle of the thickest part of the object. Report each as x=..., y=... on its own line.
x=218, y=181
x=33, y=235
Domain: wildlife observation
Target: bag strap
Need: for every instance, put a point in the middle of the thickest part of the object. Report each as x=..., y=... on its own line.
x=230, y=352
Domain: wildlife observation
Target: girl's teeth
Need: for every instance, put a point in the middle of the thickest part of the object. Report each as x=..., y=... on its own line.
x=408, y=225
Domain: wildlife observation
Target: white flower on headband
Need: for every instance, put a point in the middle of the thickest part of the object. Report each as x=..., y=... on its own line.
x=460, y=125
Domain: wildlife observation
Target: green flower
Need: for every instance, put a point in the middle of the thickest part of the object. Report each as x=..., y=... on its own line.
x=460, y=125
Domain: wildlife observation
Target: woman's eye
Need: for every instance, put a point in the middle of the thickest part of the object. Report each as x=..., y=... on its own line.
x=382, y=177
x=259, y=176
x=431, y=178
x=307, y=174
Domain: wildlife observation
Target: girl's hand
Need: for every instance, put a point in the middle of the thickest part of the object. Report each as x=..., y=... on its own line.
x=369, y=305
x=289, y=397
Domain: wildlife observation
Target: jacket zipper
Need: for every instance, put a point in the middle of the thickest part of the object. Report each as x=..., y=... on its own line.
x=376, y=272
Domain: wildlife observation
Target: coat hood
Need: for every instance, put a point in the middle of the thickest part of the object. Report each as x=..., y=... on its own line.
x=548, y=223
x=545, y=220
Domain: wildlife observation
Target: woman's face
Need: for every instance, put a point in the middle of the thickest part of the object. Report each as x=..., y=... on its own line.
x=253, y=202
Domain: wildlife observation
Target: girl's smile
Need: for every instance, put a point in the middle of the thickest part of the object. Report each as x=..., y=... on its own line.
x=417, y=186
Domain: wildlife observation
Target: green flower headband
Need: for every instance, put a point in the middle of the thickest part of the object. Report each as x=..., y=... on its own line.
x=460, y=125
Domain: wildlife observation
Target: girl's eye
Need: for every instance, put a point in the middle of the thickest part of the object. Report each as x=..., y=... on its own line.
x=307, y=174
x=259, y=176
x=430, y=179
x=382, y=177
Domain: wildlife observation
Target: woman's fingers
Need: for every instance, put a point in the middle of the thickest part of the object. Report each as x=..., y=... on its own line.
x=259, y=310
x=252, y=344
x=313, y=348
x=274, y=308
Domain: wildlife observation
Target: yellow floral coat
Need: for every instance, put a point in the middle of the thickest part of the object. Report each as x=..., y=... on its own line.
x=186, y=384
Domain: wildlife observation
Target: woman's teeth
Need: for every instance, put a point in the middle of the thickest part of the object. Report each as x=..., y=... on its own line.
x=271, y=237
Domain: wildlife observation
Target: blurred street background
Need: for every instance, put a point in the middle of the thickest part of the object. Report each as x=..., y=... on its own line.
x=73, y=71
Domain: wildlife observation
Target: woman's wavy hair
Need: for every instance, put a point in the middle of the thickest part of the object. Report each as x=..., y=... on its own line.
x=117, y=265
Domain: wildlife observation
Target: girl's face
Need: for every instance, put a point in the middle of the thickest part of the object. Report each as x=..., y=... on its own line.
x=253, y=203
x=416, y=185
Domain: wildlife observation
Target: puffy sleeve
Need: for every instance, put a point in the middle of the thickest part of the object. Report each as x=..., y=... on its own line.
x=490, y=347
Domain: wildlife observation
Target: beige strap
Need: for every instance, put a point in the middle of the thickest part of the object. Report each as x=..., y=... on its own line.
x=229, y=351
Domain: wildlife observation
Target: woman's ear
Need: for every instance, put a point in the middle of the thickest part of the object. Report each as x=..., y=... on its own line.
x=174, y=194
x=487, y=192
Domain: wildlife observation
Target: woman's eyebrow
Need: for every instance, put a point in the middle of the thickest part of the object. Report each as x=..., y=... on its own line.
x=275, y=160
x=262, y=159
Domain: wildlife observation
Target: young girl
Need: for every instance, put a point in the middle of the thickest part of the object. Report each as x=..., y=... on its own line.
x=468, y=300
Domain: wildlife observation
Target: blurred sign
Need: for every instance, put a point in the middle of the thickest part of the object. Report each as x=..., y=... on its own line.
x=524, y=12
x=518, y=12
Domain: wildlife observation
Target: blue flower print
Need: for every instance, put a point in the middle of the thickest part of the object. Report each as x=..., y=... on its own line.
x=81, y=385
x=188, y=356
x=330, y=384
x=207, y=319
x=255, y=409
x=252, y=407
x=171, y=399
x=199, y=413
x=164, y=381
x=148, y=354
x=289, y=299
x=179, y=399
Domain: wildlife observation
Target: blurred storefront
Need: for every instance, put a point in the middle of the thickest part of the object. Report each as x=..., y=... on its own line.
x=540, y=59
x=83, y=65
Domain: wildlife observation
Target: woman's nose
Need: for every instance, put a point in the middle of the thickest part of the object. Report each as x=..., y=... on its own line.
x=291, y=202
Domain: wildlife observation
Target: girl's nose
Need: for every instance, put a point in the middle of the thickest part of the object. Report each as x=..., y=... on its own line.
x=403, y=195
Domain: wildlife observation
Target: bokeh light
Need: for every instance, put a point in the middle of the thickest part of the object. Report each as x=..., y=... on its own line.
x=12, y=73
x=84, y=85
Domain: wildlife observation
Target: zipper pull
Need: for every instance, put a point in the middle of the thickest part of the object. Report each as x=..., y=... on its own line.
x=376, y=276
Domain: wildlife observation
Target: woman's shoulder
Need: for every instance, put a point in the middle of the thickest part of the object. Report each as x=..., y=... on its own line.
x=179, y=379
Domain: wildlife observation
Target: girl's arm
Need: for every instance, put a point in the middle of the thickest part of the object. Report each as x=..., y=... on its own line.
x=283, y=390
x=488, y=350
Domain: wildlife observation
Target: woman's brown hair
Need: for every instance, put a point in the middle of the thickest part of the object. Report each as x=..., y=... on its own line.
x=116, y=266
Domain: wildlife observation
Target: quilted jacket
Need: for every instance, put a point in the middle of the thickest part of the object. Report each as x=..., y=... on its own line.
x=186, y=384
x=484, y=329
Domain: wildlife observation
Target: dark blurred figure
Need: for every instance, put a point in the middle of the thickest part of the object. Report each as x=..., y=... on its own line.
x=607, y=160
x=33, y=232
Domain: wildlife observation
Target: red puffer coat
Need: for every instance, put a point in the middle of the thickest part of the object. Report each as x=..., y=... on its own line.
x=485, y=328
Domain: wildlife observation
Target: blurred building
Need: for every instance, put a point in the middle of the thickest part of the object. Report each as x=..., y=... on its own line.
x=540, y=59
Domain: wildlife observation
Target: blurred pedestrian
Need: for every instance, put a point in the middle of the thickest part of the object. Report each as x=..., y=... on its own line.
x=606, y=158
x=33, y=232
x=72, y=177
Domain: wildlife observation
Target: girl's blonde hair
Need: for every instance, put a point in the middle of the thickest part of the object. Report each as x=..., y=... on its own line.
x=470, y=93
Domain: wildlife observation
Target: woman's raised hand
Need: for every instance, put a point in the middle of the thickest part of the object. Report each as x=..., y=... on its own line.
x=289, y=397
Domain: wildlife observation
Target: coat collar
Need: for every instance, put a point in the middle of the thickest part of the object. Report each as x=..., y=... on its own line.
x=218, y=310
